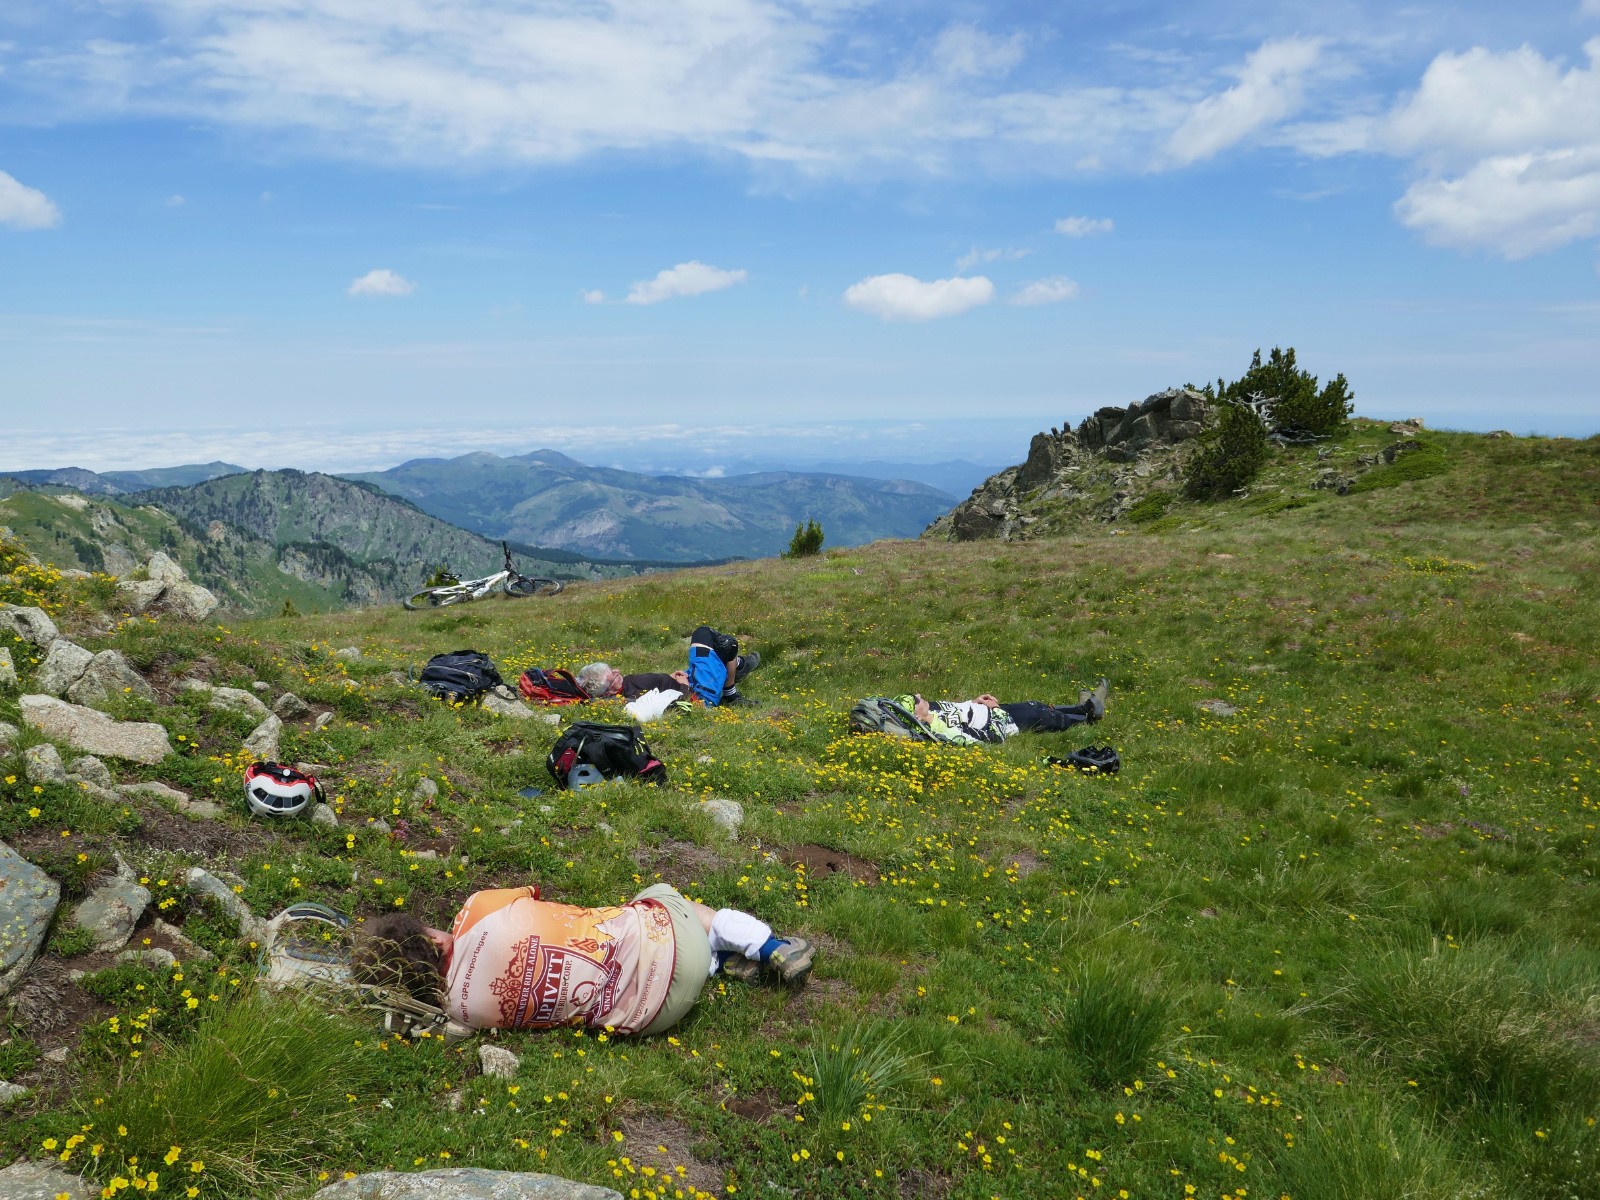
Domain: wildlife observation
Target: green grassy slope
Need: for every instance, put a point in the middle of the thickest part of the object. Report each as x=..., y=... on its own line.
x=1344, y=942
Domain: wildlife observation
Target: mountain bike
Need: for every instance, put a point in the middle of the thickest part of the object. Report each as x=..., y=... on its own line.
x=507, y=580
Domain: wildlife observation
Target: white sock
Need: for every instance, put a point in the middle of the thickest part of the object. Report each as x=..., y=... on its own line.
x=738, y=931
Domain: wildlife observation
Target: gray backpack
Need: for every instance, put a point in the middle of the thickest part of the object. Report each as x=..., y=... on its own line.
x=880, y=714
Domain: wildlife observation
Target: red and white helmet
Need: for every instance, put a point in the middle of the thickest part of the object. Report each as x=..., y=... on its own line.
x=278, y=789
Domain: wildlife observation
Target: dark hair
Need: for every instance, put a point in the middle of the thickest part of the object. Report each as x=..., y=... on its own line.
x=395, y=951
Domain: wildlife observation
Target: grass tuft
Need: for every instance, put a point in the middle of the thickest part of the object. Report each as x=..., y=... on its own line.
x=1113, y=1024
x=861, y=1068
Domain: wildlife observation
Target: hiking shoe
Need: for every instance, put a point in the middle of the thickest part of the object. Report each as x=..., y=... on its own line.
x=749, y=661
x=1095, y=701
x=733, y=699
x=736, y=966
x=791, y=961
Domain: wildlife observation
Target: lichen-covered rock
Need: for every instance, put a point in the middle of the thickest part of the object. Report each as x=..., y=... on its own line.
x=8, y=670
x=108, y=674
x=32, y=625
x=204, y=883
x=8, y=737
x=43, y=764
x=727, y=815
x=28, y=899
x=151, y=790
x=91, y=770
x=498, y=1062
x=137, y=595
x=64, y=664
x=501, y=707
x=263, y=739
x=462, y=1183
x=321, y=814
x=95, y=733
x=188, y=601
x=111, y=911
x=162, y=568
x=240, y=701
x=43, y=1181
x=290, y=707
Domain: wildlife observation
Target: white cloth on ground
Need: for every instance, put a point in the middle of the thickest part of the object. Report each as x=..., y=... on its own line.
x=651, y=705
x=739, y=932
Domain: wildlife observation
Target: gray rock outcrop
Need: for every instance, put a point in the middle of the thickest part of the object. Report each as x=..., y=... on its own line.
x=232, y=699
x=107, y=674
x=64, y=664
x=9, y=734
x=43, y=1181
x=1112, y=442
x=151, y=790
x=32, y=625
x=95, y=733
x=8, y=670
x=28, y=899
x=167, y=589
x=462, y=1183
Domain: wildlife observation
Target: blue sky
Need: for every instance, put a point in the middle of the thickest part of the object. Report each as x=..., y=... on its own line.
x=339, y=233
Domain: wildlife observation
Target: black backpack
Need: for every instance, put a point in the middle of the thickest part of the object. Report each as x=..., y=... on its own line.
x=460, y=677
x=616, y=751
x=1101, y=760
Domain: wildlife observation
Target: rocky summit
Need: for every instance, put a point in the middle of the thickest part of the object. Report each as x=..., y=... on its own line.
x=1111, y=446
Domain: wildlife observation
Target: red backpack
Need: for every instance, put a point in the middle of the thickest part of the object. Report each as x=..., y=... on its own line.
x=551, y=687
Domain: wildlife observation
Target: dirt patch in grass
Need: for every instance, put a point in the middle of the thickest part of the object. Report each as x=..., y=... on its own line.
x=1435, y=832
x=667, y=1145
x=1022, y=864
x=163, y=830
x=764, y=1105
x=52, y=1009
x=917, y=1184
x=820, y=862
x=678, y=860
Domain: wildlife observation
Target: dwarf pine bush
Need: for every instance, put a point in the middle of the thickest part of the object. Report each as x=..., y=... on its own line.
x=807, y=540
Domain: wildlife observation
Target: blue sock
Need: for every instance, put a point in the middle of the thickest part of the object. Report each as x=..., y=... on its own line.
x=768, y=946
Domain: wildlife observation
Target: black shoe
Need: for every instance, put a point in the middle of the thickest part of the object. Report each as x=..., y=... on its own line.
x=1094, y=703
x=733, y=699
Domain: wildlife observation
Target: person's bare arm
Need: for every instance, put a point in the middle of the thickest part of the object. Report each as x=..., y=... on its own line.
x=988, y=701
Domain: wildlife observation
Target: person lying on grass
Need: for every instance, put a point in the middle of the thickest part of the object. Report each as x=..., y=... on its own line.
x=514, y=961
x=987, y=720
x=718, y=667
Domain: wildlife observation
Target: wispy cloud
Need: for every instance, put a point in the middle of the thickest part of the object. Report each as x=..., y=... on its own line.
x=176, y=201
x=23, y=207
x=686, y=279
x=976, y=256
x=381, y=282
x=1077, y=227
x=593, y=296
x=1045, y=291
x=906, y=298
x=1271, y=86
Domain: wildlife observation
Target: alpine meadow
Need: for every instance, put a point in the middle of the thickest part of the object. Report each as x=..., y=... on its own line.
x=1331, y=933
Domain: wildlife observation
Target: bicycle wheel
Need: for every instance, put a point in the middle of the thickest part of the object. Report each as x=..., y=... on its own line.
x=432, y=598
x=526, y=585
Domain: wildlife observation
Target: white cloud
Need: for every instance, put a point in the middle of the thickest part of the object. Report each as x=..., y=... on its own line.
x=1046, y=291
x=381, y=282
x=593, y=296
x=23, y=207
x=686, y=279
x=975, y=256
x=1271, y=87
x=1508, y=147
x=1589, y=8
x=907, y=298
x=1077, y=227
x=176, y=201
x=964, y=50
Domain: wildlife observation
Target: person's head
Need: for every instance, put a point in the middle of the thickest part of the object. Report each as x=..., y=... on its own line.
x=398, y=951
x=600, y=679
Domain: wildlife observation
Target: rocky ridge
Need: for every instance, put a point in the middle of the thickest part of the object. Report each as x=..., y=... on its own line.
x=1098, y=462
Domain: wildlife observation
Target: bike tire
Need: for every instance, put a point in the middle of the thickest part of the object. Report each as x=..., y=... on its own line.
x=526, y=585
x=430, y=598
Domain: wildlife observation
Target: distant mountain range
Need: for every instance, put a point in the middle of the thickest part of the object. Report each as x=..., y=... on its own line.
x=547, y=498
x=116, y=483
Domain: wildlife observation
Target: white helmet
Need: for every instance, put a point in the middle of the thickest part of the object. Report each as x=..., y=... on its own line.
x=279, y=790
